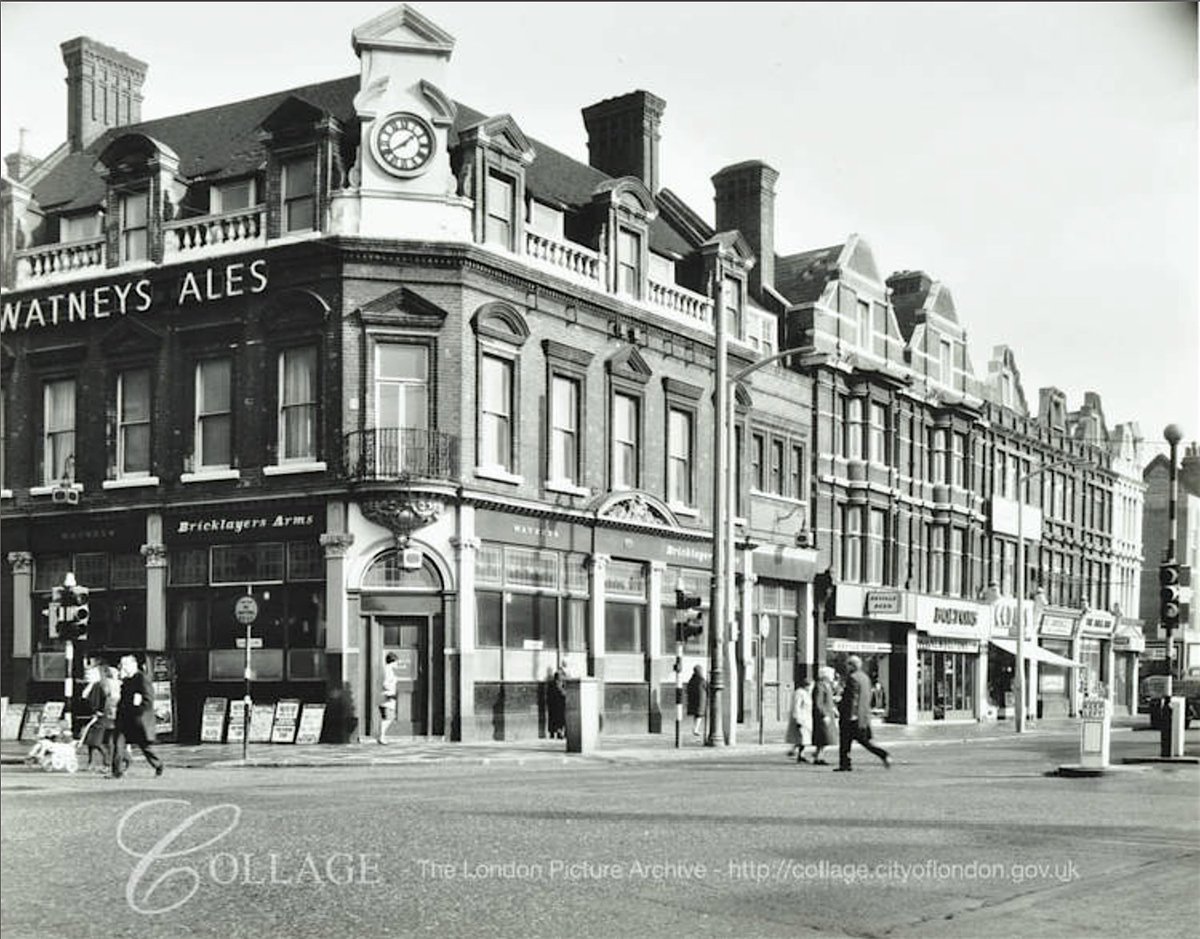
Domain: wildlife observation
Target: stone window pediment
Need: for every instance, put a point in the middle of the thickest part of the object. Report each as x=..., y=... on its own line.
x=629, y=364
x=501, y=321
x=403, y=307
x=131, y=339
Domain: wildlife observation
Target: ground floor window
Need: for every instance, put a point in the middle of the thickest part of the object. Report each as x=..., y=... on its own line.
x=530, y=598
x=624, y=606
x=946, y=683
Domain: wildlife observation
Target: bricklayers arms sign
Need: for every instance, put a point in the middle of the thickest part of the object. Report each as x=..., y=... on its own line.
x=120, y=298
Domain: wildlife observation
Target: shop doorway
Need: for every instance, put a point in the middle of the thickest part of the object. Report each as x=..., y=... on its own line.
x=408, y=638
x=945, y=685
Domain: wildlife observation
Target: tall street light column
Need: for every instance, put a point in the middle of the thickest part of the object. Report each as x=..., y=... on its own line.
x=1172, y=434
x=716, y=671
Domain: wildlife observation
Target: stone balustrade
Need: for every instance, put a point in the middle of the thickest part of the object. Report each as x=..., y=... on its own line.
x=574, y=259
x=51, y=262
x=232, y=231
x=692, y=306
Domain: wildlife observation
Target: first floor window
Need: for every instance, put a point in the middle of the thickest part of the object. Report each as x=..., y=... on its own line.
x=852, y=559
x=853, y=416
x=59, y=423
x=133, y=423
x=214, y=416
x=679, y=457
x=564, y=429
x=298, y=404
x=625, y=442
x=776, y=481
x=876, y=536
x=495, y=412
x=878, y=436
x=937, y=559
x=758, y=456
x=796, y=485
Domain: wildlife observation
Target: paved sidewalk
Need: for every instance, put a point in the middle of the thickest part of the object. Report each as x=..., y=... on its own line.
x=639, y=748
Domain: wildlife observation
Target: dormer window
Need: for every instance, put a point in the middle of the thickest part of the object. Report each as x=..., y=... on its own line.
x=299, y=194
x=79, y=227
x=546, y=220
x=731, y=298
x=500, y=199
x=233, y=197
x=629, y=263
x=134, y=226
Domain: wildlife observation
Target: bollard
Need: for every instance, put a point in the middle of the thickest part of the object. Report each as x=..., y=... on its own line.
x=583, y=715
x=1176, y=724
x=1095, y=733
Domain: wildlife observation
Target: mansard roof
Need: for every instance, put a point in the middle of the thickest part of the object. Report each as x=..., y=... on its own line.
x=224, y=142
x=801, y=278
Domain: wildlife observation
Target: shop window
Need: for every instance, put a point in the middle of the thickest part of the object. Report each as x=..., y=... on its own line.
x=489, y=619
x=188, y=566
x=134, y=226
x=189, y=623
x=133, y=423
x=539, y=598
x=680, y=457
x=299, y=180
x=58, y=441
x=214, y=415
x=624, y=606
x=626, y=441
x=298, y=405
x=248, y=564
x=127, y=570
x=496, y=386
x=564, y=429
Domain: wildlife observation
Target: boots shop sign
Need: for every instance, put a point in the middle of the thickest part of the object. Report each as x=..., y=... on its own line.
x=122, y=297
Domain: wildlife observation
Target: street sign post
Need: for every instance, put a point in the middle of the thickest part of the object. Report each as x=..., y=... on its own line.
x=245, y=611
x=764, y=630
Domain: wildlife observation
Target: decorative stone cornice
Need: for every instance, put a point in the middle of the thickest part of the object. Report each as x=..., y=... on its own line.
x=401, y=514
x=21, y=561
x=155, y=555
x=336, y=543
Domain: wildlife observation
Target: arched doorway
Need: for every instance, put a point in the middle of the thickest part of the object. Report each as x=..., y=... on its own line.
x=403, y=612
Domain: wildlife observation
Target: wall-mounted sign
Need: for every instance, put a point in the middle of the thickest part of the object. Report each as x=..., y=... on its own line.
x=1004, y=618
x=122, y=297
x=939, y=616
x=882, y=603
x=260, y=523
x=1055, y=624
x=854, y=645
x=1098, y=623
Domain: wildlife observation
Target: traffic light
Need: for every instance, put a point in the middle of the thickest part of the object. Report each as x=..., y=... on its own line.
x=692, y=623
x=76, y=614
x=1168, y=609
x=52, y=614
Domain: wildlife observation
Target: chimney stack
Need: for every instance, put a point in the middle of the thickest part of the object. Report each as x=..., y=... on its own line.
x=623, y=135
x=20, y=163
x=744, y=195
x=104, y=89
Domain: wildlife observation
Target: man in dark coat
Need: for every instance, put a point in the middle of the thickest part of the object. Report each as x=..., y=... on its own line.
x=855, y=713
x=697, y=700
x=135, y=718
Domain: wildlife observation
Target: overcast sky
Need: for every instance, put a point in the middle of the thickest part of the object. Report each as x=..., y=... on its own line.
x=1041, y=160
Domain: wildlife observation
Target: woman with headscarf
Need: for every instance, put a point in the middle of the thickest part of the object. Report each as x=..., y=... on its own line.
x=824, y=728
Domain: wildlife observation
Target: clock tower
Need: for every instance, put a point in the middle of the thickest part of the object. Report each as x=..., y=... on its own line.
x=402, y=184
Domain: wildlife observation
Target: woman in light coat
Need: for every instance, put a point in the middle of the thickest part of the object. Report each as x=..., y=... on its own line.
x=825, y=732
x=800, y=723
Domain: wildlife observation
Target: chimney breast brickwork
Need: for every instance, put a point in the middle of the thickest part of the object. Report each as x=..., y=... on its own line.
x=623, y=135
x=104, y=89
x=744, y=197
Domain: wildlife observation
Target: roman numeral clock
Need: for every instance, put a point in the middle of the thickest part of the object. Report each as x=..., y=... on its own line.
x=404, y=144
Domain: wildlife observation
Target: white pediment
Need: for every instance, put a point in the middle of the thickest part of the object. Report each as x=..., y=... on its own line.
x=402, y=29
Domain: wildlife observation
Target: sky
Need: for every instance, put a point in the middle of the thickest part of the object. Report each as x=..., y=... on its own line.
x=1040, y=160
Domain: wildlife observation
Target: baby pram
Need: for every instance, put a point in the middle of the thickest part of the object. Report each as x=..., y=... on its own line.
x=55, y=750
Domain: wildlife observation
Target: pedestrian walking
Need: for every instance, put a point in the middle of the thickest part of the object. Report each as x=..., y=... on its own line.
x=800, y=721
x=135, y=718
x=94, y=699
x=556, y=703
x=697, y=700
x=855, y=714
x=387, y=695
x=824, y=724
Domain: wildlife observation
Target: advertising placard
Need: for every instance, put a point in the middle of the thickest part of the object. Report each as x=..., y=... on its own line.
x=162, y=674
x=312, y=719
x=52, y=717
x=212, y=720
x=262, y=716
x=14, y=714
x=287, y=717
x=33, y=722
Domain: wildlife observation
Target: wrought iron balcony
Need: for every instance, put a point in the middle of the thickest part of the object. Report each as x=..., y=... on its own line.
x=401, y=453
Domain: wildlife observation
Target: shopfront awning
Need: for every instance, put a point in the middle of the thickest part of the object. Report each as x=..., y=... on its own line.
x=1035, y=652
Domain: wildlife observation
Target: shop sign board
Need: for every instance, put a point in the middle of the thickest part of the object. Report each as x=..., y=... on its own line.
x=882, y=603
x=1098, y=623
x=1004, y=618
x=1057, y=625
x=854, y=645
x=268, y=522
x=941, y=617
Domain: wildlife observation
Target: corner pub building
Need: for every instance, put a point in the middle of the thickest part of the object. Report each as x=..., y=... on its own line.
x=411, y=379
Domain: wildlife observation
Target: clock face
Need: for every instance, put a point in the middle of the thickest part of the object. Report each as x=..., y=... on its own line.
x=404, y=144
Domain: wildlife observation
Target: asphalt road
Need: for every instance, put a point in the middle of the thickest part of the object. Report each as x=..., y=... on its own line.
x=955, y=840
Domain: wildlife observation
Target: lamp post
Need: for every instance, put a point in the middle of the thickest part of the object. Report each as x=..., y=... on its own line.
x=1172, y=434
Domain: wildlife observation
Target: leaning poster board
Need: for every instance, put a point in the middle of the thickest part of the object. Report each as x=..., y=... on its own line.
x=52, y=718
x=236, y=732
x=33, y=722
x=287, y=717
x=14, y=714
x=161, y=669
x=312, y=719
x=212, y=720
x=261, y=719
